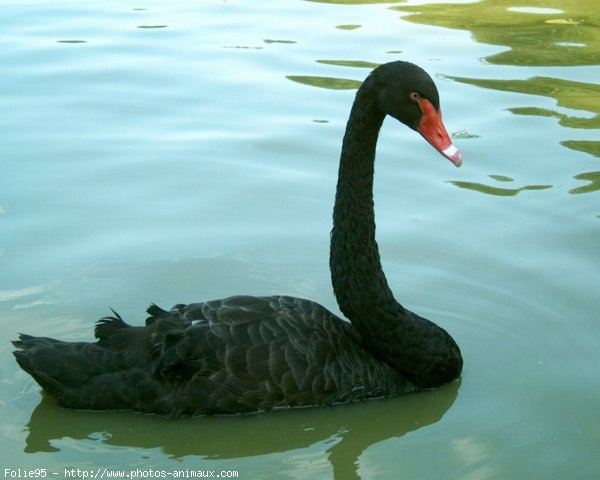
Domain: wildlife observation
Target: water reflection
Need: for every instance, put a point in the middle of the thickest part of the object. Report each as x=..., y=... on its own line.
x=498, y=191
x=286, y=42
x=351, y=26
x=350, y=63
x=348, y=429
x=354, y=2
x=332, y=83
x=586, y=146
x=580, y=96
x=593, y=186
x=542, y=33
x=566, y=35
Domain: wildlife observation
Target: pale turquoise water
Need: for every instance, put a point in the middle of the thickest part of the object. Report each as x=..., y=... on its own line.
x=182, y=151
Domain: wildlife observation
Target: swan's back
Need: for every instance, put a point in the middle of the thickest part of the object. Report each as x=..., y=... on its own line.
x=239, y=354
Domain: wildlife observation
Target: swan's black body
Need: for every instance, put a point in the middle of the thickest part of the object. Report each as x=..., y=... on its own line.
x=245, y=354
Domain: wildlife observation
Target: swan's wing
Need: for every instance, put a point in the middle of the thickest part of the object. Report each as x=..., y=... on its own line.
x=252, y=353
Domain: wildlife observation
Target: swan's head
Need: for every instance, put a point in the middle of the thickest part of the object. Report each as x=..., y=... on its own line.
x=407, y=93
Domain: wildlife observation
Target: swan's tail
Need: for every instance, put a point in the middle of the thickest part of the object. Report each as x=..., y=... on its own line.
x=25, y=356
x=113, y=373
x=57, y=366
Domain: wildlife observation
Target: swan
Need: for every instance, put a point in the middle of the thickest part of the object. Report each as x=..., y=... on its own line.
x=248, y=354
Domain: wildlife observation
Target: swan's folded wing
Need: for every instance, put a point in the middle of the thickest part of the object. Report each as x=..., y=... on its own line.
x=252, y=353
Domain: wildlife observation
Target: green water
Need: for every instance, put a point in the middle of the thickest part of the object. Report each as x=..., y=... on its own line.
x=182, y=151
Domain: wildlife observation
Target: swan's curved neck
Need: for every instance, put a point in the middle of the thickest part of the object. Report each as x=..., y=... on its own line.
x=413, y=345
x=358, y=280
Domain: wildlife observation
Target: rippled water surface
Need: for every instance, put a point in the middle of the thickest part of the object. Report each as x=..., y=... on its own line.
x=183, y=151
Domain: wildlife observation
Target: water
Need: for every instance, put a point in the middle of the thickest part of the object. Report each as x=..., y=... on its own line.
x=182, y=151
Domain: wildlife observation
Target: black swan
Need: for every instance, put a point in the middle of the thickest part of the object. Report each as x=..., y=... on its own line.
x=248, y=354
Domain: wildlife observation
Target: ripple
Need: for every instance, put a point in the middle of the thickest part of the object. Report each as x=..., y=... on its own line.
x=593, y=186
x=536, y=10
x=571, y=44
x=9, y=295
x=591, y=147
x=331, y=83
x=463, y=135
x=563, y=21
x=268, y=40
x=349, y=63
x=501, y=178
x=497, y=191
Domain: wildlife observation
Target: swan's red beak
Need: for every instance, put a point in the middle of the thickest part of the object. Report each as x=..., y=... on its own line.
x=433, y=130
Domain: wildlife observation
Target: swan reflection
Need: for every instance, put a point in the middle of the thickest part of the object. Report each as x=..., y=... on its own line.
x=346, y=431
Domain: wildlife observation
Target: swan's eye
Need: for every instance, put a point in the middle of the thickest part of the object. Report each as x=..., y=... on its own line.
x=414, y=97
